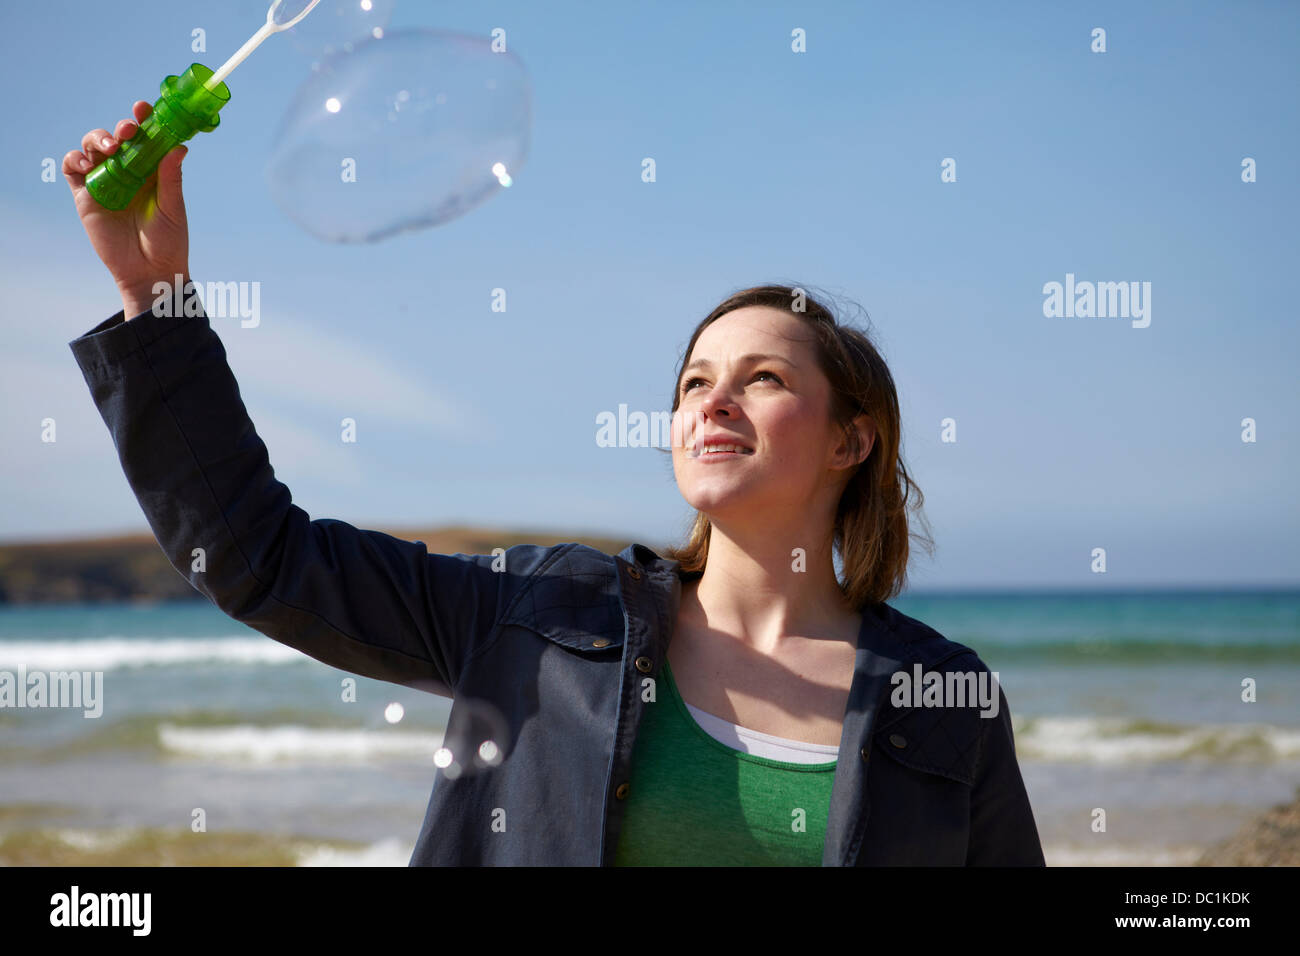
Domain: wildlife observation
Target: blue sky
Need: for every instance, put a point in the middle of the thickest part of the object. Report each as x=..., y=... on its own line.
x=819, y=168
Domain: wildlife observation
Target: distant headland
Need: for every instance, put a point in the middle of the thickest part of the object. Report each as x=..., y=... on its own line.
x=133, y=568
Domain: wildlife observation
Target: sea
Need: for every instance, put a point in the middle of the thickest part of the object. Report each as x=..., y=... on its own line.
x=1148, y=727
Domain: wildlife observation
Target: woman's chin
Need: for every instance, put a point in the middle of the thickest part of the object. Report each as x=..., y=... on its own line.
x=716, y=502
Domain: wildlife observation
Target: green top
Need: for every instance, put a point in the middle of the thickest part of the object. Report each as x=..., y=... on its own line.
x=694, y=801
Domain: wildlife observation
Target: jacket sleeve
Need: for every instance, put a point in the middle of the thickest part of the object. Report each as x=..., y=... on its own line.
x=1002, y=829
x=363, y=601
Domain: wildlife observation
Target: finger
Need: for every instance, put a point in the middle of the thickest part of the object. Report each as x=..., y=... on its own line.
x=75, y=167
x=171, y=203
x=125, y=129
x=141, y=110
x=111, y=141
x=93, y=145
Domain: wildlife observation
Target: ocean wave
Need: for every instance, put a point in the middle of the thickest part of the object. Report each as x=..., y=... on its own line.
x=295, y=744
x=1115, y=740
x=1134, y=650
x=1075, y=855
x=105, y=654
x=391, y=852
x=157, y=846
x=326, y=739
x=118, y=651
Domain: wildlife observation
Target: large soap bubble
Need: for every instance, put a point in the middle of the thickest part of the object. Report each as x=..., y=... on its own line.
x=403, y=132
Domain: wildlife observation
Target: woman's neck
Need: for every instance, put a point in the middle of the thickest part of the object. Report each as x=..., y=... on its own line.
x=761, y=597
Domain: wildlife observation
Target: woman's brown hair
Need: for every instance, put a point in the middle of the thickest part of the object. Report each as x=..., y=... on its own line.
x=871, y=532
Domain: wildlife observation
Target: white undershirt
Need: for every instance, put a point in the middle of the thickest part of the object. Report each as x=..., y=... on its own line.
x=761, y=745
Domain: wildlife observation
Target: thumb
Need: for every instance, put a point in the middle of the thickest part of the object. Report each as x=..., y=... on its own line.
x=170, y=201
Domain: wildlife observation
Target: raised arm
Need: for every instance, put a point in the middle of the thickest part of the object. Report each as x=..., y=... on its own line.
x=359, y=600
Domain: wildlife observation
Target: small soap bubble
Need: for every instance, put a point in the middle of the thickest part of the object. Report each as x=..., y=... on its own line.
x=403, y=132
x=394, y=712
x=489, y=753
x=476, y=738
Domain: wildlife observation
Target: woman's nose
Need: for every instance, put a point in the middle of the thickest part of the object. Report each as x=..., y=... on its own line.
x=719, y=401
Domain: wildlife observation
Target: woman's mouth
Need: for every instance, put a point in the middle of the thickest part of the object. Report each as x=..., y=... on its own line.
x=719, y=452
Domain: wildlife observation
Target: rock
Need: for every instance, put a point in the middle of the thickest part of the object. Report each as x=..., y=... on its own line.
x=1272, y=839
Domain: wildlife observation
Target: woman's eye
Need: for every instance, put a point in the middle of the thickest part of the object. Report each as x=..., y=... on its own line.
x=686, y=386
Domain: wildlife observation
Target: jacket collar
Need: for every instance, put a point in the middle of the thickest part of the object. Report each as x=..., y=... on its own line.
x=886, y=645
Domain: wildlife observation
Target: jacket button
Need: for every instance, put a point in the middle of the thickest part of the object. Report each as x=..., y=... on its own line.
x=634, y=573
x=622, y=790
x=644, y=665
x=866, y=752
x=601, y=642
x=898, y=740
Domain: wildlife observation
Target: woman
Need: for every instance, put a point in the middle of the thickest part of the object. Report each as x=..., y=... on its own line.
x=779, y=728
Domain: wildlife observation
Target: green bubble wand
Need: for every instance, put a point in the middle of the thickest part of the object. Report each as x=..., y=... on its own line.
x=189, y=104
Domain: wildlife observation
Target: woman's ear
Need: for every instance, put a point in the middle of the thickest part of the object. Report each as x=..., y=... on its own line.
x=865, y=427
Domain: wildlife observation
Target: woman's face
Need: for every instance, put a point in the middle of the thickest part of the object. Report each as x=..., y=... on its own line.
x=752, y=379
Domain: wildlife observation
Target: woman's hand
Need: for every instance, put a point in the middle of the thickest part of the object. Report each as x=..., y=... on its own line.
x=148, y=241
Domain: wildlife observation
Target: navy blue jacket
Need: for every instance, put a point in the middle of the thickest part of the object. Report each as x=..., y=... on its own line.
x=561, y=640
